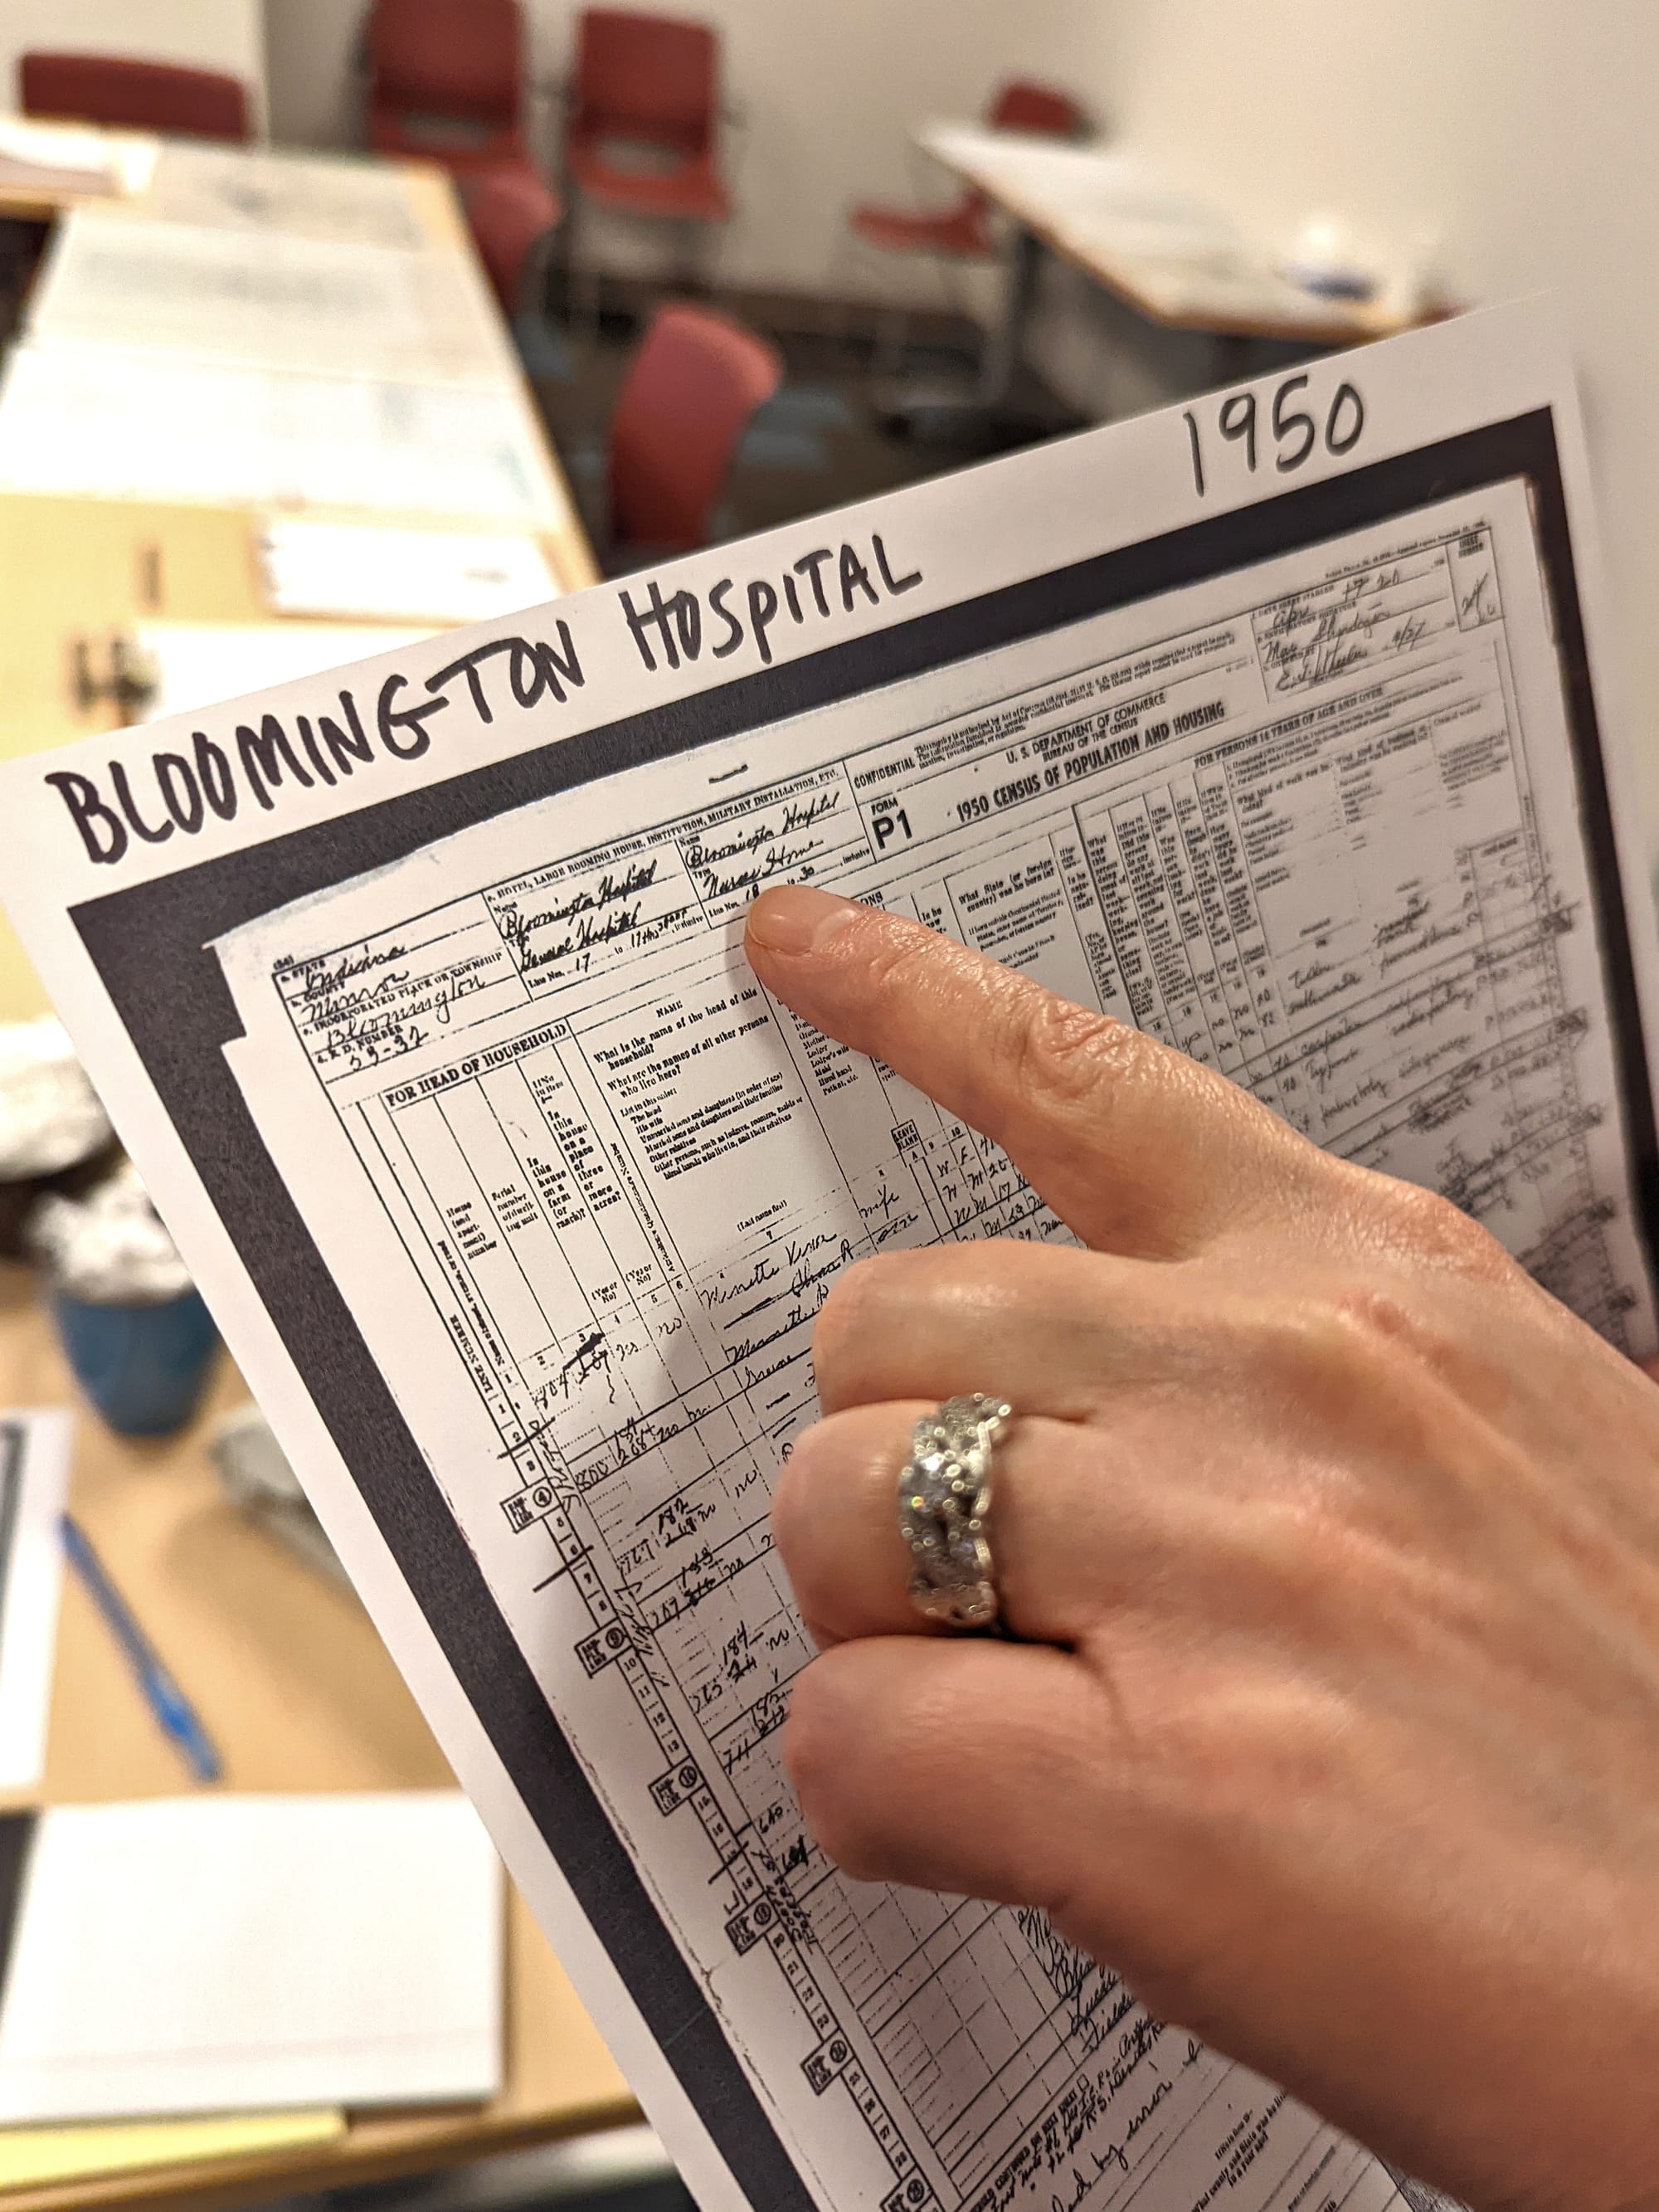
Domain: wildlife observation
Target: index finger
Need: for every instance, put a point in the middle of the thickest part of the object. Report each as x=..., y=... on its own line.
x=1137, y=1148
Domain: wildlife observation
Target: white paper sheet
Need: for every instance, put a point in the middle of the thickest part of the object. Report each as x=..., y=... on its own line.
x=225, y=1953
x=347, y=199
x=114, y=424
x=1305, y=769
x=198, y=664
x=1104, y=183
x=35, y=1470
x=443, y=576
x=264, y=299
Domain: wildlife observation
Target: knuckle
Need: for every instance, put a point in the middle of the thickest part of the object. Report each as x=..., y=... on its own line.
x=1317, y=1542
x=1368, y=1357
x=1064, y=1055
x=1340, y=1347
x=895, y=958
x=1263, y=1741
x=848, y=1318
x=873, y=1759
x=1430, y=1226
x=865, y=1311
x=1368, y=1316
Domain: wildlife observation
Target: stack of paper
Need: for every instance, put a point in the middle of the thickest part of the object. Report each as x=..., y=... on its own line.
x=236, y=1954
x=267, y=300
x=115, y=422
x=436, y=576
x=265, y=189
x=61, y=157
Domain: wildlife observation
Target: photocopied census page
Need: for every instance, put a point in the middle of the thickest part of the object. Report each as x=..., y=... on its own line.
x=1277, y=724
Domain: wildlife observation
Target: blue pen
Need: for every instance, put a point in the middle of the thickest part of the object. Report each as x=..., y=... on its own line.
x=173, y=1710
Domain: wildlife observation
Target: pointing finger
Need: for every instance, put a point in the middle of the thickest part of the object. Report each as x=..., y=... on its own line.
x=1137, y=1148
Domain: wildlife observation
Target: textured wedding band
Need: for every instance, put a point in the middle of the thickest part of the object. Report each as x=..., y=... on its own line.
x=944, y=1497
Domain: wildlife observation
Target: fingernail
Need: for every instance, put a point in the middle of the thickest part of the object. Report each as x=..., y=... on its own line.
x=796, y=918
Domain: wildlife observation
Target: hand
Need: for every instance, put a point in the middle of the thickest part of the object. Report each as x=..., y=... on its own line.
x=1334, y=1544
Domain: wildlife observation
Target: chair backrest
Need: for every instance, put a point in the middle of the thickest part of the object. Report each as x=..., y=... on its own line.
x=134, y=95
x=684, y=406
x=1022, y=106
x=446, y=57
x=648, y=78
x=507, y=210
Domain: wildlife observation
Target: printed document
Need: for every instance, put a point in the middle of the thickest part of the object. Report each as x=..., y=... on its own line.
x=110, y=422
x=339, y=198
x=1275, y=726
x=267, y=300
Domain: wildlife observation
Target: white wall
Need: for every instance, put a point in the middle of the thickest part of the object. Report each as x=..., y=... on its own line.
x=215, y=34
x=827, y=95
x=308, y=69
x=1518, y=134
x=1517, y=137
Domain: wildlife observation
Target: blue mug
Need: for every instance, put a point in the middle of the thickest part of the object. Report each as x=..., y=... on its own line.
x=143, y=1367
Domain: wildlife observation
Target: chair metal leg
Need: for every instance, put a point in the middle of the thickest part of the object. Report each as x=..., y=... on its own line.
x=844, y=265
x=892, y=336
x=581, y=278
x=999, y=359
x=698, y=258
x=714, y=251
x=584, y=290
x=954, y=291
x=982, y=416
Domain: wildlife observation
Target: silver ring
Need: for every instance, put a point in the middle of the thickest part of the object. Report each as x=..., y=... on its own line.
x=944, y=1497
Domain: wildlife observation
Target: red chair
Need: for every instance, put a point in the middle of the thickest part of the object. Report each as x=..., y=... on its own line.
x=130, y=95
x=648, y=82
x=687, y=399
x=962, y=232
x=445, y=82
x=509, y=211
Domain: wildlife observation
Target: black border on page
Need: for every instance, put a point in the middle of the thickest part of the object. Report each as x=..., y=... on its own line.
x=150, y=945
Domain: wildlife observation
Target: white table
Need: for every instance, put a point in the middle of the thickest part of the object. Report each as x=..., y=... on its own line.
x=1169, y=255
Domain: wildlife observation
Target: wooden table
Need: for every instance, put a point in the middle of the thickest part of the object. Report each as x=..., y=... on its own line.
x=292, y=1680
x=428, y=199
x=80, y=569
x=298, y=1693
